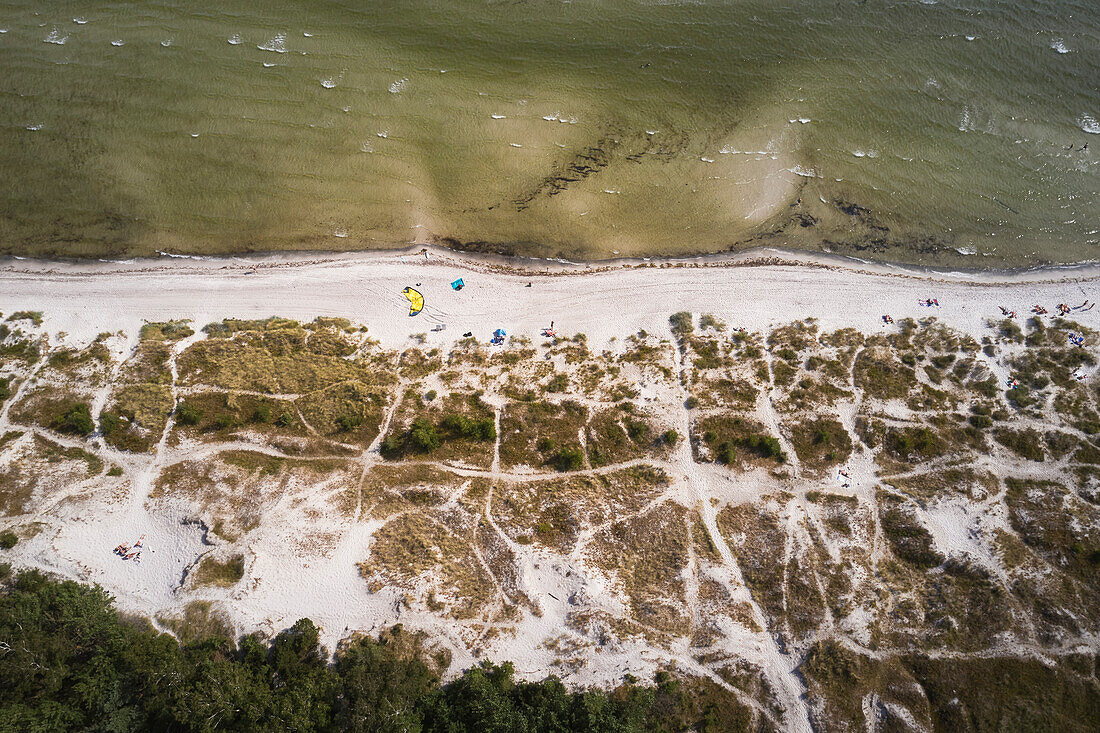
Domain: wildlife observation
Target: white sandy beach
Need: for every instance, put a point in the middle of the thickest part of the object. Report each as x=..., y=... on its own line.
x=601, y=301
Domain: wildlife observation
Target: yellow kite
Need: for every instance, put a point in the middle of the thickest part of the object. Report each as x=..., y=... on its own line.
x=416, y=301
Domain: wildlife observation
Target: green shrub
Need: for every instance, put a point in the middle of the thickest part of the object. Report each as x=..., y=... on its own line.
x=691, y=402
x=981, y=421
x=8, y=539
x=109, y=422
x=115, y=471
x=347, y=423
x=637, y=430
x=188, y=414
x=558, y=383
x=681, y=324
x=262, y=413
x=460, y=426
x=285, y=420
x=77, y=420
x=430, y=395
x=224, y=422
x=670, y=437
x=423, y=436
x=568, y=459
x=5, y=389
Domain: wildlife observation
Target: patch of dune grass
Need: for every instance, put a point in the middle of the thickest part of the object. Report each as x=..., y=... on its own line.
x=166, y=330
x=223, y=574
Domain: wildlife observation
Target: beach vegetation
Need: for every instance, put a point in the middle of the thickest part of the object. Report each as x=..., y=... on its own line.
x=908, y=538
x=166, y=330
x=221, y=573
x=728, y=436
x=681, y=325
x=882, y=376
x=8, y=539
x=34, y=317
x=709, y=321
x=55, y=453
x=820, y=442
x=526, y=428
x=76, y=420
x=188, y=414
x=139, y=414
x=1026, y=443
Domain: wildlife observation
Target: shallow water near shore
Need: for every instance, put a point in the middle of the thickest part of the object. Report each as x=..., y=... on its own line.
x=929, y=132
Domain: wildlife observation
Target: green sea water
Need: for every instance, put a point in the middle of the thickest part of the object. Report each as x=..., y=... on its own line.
x=948, y=132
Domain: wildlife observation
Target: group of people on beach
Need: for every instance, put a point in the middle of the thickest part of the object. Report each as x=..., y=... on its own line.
x=131, y=552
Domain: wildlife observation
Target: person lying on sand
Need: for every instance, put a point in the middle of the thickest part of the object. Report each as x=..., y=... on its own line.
x=1039, y=310
x=1063, y=308
x=887, y=319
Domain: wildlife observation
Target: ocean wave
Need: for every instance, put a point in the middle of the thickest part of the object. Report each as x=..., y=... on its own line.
x=268, y=66
x=118, y=42
x=276, y=44
x=804, y=172
x=1089, y=124
x=341, y=233
x=35, y=128
x=366, y=147
x=706, y=159
x=802, y=120
x=969, y=121
x=182, y=257
x=515, y=145
x=865, y=153
x=80, y=20
x=235, y=40
x=497, y=117
x=55, y=37
x=307, y=35
x=1059, y=45
x=166, y=42
x=328, y=83
x=398, y=85
x=559, y=117
x=966, y=250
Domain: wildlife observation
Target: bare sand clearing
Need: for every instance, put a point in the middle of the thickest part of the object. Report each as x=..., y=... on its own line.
x=604, y=302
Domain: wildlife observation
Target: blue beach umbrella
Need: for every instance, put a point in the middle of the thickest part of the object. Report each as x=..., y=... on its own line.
x=458, y=284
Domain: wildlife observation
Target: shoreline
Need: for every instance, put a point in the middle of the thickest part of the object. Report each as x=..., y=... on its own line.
x=547, y=267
